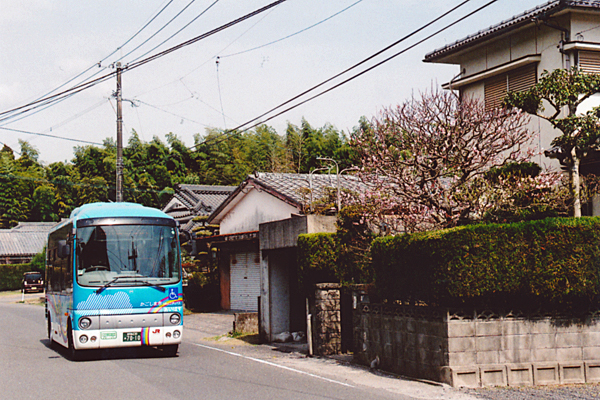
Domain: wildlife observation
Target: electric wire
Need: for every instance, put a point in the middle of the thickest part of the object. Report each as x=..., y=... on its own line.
x=176, y=33
x=160, y=30
x=168, y=112
x=236, y=129
x=203, y=36
x=373, y=56
x=104, y=59
x=48, y=135
x=220, y=98
x=293, y=34
x=78, y=115
x=78, y=88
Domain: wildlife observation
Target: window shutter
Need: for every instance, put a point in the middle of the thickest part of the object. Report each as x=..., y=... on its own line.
x=522, y=79
x=517, y=80
x=495, y=90
x=589, y=61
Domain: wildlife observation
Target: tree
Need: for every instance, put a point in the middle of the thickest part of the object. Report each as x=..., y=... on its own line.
x=424, y=161
x=565, y=90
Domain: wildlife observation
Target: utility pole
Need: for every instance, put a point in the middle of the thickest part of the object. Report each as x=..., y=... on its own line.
x=119, y=96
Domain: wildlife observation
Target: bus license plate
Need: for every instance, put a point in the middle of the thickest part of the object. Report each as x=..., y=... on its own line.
x=132, y=337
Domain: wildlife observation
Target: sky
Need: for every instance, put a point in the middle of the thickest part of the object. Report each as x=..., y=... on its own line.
x=46, y=43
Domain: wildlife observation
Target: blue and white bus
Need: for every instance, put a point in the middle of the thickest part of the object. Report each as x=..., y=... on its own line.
x=113, y=279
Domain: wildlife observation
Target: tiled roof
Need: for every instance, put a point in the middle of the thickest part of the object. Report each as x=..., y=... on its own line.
x=526, y=17
x=298, y=186
x=27, y=238
x=198, y=199
x=294, y=189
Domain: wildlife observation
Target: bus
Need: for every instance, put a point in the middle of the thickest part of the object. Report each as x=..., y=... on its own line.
x=113, y=279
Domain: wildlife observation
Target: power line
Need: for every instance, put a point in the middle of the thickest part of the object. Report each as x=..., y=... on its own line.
x=76, y=89
x=227, y=132
x=204, y=35
x=51, y=136
x=53, y=98
x=100, y=62
x=176, y=33
x=220, y=98
x=168, y=112
x=369, y=59
x=78, y=115
x=293, y=34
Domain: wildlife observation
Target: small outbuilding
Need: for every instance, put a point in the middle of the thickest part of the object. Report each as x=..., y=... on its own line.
x=18, y=245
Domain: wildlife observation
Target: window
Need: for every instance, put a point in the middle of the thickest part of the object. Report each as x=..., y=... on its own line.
x=589, y=61
x=518, y=80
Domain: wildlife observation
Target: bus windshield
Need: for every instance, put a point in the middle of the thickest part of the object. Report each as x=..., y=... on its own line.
x=127, y=255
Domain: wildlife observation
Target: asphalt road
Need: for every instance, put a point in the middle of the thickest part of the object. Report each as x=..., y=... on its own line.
x=204, y=369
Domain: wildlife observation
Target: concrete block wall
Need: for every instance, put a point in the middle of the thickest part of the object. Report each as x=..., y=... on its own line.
x=404, y=341
x=478, y=349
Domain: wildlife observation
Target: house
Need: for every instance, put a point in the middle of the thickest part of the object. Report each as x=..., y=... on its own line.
x=18, y=245
x=190, y=201
x=259, y=226
x=511, y=56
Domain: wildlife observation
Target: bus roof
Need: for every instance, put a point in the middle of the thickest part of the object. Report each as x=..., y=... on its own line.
x=101, y=210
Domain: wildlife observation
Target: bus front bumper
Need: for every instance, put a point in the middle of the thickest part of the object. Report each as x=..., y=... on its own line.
x=128, y=337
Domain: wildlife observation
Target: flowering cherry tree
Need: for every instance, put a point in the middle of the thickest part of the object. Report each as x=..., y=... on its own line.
x=425, y=161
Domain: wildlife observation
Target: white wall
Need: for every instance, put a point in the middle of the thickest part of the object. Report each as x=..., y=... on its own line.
x=253, y=209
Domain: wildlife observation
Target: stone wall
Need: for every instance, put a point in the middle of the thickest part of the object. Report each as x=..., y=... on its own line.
x=245, y=322
x=327, y=327
x=478, y=349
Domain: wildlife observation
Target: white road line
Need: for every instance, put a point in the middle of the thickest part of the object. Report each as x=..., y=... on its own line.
x=273, y=364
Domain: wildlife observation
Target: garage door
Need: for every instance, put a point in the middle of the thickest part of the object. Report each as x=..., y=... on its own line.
x=245, y=281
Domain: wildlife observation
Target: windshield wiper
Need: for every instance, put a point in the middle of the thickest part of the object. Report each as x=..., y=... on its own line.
x=100, y=289
x=144, y=283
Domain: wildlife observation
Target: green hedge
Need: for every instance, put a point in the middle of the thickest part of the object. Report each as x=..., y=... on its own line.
x=11, y=275
x=552, y=262
x=317, y=259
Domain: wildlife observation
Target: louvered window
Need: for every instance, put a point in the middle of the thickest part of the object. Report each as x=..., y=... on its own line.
x=495, y=90
x=517, y=80
x=589, y=61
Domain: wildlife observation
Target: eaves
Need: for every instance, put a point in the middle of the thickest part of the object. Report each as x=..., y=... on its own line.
x=551, y=8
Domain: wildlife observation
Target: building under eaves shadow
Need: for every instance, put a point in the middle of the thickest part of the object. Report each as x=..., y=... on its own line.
x=18, y=245
x=190, y=201
x=512, y=55
x=259, y=226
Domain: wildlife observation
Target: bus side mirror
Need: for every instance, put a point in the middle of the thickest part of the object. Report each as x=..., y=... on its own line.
x=64, y=250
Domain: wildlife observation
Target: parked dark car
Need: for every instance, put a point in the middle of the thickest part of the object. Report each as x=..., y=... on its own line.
x=33, y=282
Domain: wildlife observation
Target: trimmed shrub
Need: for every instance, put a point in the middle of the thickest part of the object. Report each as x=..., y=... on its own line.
x=353, y=244
x=548, y=263
x=317, y=259
x=11, y=275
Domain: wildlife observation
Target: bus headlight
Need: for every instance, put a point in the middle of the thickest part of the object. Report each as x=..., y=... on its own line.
x=176, y=334
x=83, y=339
x=175, y=319
x=85, y=323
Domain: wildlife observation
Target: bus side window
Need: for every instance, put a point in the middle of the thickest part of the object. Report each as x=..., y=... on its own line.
x=68, y=263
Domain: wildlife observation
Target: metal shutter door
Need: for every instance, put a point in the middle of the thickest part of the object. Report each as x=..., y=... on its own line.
x=589, y=61
x=245, y=281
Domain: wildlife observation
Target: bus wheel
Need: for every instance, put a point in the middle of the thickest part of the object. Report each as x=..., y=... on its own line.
x=169, y=350
x=74, y=354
